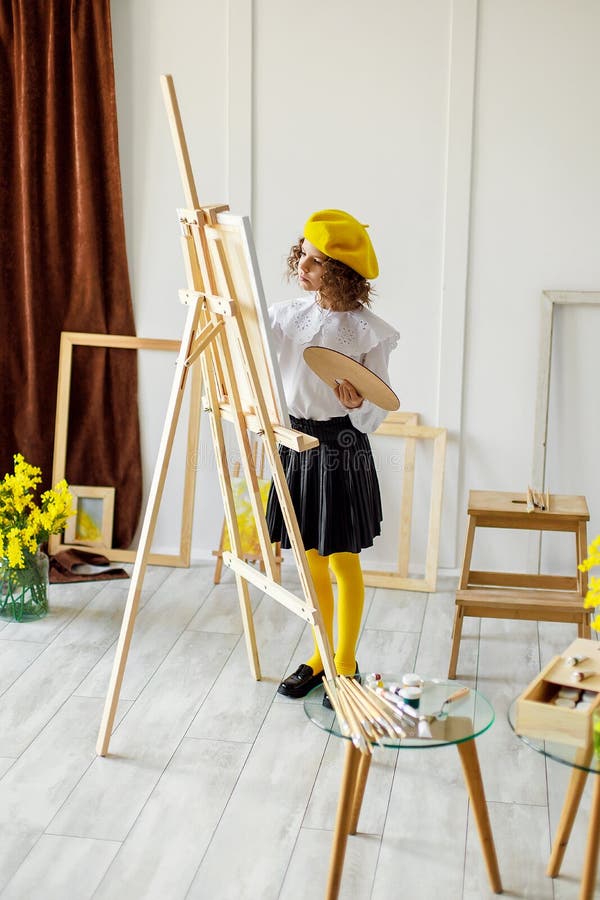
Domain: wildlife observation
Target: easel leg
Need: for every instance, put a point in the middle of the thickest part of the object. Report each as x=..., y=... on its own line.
x=116, y=678
x=248, y=623
x=472, y=774
x=567, y=818
x=218, y=570
x=590, y=865
x=343, y=820
x=147, y=532
x=364, y=766
x=219, y=554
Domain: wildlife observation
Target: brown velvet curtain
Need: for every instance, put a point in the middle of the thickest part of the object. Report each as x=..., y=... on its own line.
x=63, y=264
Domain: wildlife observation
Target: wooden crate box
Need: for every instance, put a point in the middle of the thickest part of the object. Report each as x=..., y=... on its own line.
x=536, y=714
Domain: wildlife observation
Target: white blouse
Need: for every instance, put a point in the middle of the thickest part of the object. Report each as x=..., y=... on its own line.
x=297, y=324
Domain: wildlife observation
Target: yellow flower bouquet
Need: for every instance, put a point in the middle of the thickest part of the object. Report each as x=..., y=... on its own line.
x=592, y=598
x=24, y=525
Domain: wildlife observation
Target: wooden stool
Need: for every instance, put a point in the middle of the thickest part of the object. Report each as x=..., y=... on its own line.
x=510, y=595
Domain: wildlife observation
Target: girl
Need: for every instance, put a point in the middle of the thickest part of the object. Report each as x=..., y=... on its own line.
x=334, y=488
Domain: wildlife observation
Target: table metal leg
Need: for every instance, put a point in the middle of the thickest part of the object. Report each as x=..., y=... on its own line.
x=343, y=821
x=472, y=774
x=590, y=863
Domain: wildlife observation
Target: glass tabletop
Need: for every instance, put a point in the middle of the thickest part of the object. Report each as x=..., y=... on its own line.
x=577, y=757
x=466, y=718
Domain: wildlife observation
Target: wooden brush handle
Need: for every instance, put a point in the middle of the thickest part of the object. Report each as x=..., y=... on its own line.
x=461, y=692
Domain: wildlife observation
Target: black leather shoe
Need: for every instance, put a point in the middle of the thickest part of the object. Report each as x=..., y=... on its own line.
x=300, y=682
x=326, y=700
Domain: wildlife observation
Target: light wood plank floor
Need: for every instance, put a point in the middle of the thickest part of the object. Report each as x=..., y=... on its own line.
x=216, y=787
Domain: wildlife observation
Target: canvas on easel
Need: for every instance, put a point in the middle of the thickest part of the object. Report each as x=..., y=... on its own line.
x=225, y=339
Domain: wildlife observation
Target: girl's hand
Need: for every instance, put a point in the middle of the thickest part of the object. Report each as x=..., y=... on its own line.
x=348, y=395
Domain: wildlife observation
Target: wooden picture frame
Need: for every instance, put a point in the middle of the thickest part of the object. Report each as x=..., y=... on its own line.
x=405, y=425
x=70, y=339
x=550, y=299
x=92, y=523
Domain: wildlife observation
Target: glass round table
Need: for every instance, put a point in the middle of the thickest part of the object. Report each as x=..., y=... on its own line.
x=459, y=723
x=583, y=761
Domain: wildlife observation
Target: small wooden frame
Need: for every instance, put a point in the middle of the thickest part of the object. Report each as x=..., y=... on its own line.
x=405, y=425
x=92, y=523
x=70, y=339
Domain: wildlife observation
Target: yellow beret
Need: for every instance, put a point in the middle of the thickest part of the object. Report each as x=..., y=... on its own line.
x=340, y=236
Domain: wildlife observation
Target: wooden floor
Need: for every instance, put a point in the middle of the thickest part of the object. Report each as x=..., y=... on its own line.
x=216, y=787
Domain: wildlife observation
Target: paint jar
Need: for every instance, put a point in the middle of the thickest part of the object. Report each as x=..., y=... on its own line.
x=411, y=695
x=596, y=732
x=411, y=679
x=567, y=693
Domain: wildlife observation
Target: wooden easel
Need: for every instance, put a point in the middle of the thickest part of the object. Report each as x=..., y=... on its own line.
x=223, y=335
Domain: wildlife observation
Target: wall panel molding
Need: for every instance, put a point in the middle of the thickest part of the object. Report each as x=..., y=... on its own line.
x=455, y=248
x=239, y=105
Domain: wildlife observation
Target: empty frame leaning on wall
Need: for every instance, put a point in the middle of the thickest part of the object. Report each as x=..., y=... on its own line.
x=68, y=340
x=405, y=425
x=550, y=299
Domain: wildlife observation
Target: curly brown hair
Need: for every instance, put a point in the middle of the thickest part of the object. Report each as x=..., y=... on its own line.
x=341, y=286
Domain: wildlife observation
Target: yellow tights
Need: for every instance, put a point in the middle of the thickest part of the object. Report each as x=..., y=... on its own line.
x=351, y=598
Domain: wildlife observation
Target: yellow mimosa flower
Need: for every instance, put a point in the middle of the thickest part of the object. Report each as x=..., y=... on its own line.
x=592, y=598
x=14, y=550
x=24, y=524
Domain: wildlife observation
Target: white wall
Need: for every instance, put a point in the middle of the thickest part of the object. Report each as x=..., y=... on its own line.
x=535, y=225
x=465, y=133
x=151, y=38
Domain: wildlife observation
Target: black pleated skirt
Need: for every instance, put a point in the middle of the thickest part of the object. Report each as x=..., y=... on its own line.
x=334, y=489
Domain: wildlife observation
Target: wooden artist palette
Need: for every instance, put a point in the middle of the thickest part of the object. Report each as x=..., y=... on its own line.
x=333, y=367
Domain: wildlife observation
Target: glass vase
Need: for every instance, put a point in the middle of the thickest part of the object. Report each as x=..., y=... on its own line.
x=24, y=592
